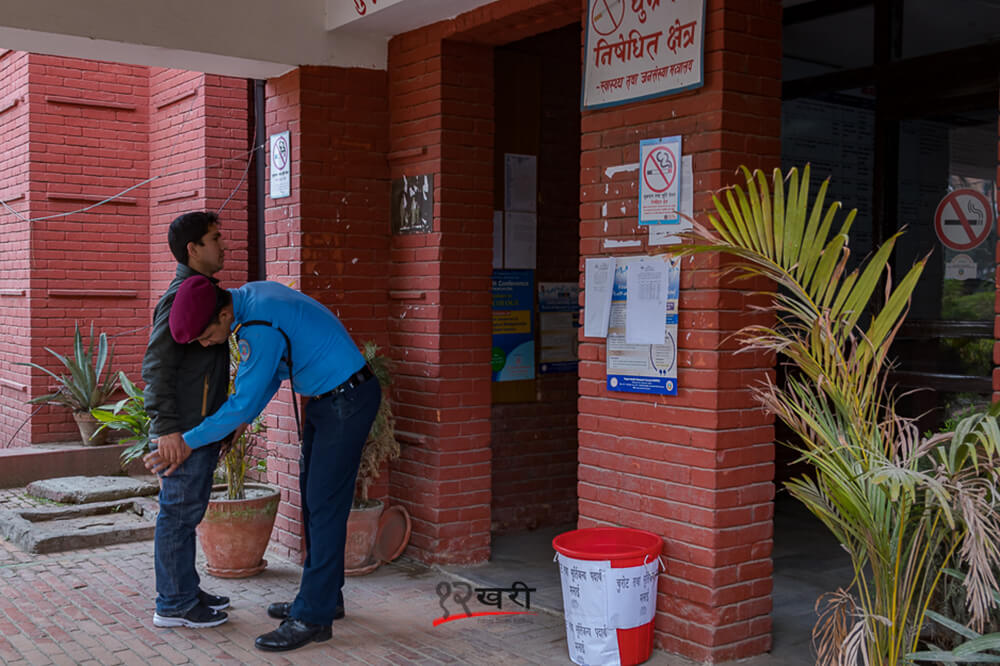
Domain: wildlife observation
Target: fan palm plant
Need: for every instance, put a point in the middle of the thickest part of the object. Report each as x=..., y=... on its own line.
x=904, y=507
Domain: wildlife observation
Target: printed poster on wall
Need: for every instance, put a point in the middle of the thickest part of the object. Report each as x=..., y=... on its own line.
x=637, y=49
x=513, y=334
x=642, y=368
x=558, y=323
x=660, y=175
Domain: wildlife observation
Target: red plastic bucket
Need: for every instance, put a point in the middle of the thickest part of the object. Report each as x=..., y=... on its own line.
x=623, y=547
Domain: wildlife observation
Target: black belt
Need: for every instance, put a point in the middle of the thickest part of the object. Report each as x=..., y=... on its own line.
x=355, y=380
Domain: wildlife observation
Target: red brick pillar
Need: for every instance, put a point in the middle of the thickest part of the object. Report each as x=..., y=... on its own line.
x=441, y=124
x=330, y=238
x=88, y=125
x=199, y=144
x=15, y=277
x=696, y=468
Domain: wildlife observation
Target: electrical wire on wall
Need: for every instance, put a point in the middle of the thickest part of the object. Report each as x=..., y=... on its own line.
x=245, y=155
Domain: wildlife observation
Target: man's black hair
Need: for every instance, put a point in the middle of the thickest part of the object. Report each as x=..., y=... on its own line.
x=189, y=228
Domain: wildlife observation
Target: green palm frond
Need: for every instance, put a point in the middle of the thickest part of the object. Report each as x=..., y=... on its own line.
x=903, y=507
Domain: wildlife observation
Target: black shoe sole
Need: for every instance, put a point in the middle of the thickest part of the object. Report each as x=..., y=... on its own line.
x=318, y=638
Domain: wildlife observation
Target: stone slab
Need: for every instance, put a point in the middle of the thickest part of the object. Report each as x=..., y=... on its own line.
x=84, y=489
x=50, y=530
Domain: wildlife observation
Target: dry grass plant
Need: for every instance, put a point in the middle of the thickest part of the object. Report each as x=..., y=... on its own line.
x=903, y=506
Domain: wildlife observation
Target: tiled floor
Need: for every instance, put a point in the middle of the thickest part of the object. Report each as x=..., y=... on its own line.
x=95, y=607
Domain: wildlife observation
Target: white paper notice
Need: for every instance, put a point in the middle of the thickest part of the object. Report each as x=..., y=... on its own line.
x=599, y=279
x=646, y=305
x=519, y=240
x=498, y=239
x=590, y=638
x=666, y=234
x=599, y=599
x=632, y=595
x=521, y=172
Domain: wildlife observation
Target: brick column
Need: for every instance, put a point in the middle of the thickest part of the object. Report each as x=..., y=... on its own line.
x=329, y=239
x=88, y=129
x=14, y=248
x=696, y=468
x=440, y=323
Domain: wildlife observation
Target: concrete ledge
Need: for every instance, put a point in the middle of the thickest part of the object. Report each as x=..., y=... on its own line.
x=21, y=465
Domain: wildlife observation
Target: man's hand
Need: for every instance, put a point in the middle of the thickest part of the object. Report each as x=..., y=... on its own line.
x=171, y=451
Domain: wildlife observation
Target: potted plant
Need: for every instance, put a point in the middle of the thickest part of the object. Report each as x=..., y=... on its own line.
x=905, y=507
x=237, y=525
x=236, y=528
x=381, y=447
x=87, y=382
x=127, y=415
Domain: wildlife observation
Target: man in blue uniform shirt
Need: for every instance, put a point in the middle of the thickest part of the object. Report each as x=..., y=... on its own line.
x=285, y=334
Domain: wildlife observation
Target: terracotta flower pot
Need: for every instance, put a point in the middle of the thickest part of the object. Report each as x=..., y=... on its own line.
x=362, y=527
x=87, y=425
x=234, y=533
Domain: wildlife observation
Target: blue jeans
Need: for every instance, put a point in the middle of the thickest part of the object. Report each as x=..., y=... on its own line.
x=335, y=431
x=183, y=500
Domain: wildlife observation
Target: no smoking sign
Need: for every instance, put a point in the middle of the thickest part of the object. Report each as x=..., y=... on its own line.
x=659, y=181
x=963, y=220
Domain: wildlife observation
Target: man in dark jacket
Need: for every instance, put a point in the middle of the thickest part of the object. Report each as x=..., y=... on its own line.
x=184, y=384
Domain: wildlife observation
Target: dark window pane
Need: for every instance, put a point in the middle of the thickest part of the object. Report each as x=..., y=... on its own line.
x=835, y=134
x=830, y=43
x=932, y=26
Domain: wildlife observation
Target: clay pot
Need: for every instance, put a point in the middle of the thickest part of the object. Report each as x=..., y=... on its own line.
x=87, y=425
x=234, y=533
x=362, y=527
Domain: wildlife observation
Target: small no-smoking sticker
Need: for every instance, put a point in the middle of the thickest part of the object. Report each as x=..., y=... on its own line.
x=963, y=220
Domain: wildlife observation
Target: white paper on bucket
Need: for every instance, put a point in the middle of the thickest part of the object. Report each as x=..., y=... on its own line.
x=598, y=599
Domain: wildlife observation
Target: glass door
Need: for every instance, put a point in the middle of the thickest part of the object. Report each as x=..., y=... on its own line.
x=945, y=201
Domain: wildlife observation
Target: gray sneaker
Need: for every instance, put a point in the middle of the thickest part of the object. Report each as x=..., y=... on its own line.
x=199, y=616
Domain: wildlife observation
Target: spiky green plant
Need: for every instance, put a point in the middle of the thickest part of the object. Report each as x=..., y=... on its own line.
x=128, y=415
x=85, y=384
x=892, y=499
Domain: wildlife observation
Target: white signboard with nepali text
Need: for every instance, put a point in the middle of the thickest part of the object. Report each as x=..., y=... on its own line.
x=637, y=49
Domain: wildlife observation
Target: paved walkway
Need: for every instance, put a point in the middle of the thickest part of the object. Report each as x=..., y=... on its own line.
x=95, y=607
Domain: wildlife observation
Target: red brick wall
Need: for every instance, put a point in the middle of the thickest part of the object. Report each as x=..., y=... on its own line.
x=89, y=124
x=330, y=238
x=86, y=131
x=200, y=146
x=14, y=247
x=696, y=468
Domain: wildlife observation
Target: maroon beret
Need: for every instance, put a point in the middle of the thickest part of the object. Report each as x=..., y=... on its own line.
x=193, y=308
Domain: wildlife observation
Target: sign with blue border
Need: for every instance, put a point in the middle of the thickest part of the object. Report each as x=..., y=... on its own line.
x=659, y=180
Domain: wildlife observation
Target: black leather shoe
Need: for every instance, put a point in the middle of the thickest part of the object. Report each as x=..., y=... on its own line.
x=280, y=609
x=292, y=634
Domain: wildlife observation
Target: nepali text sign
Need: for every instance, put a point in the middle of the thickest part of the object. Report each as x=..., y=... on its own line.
x=638, y=49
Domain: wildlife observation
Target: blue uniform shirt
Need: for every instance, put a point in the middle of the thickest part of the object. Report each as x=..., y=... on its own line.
x=323, y=354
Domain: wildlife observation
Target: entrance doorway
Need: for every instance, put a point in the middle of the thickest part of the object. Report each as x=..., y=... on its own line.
x=534, y=416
